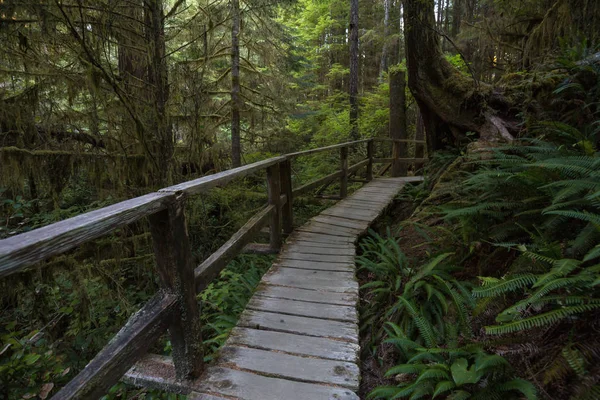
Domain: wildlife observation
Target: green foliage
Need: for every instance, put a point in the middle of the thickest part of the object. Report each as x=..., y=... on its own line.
x=467, y=372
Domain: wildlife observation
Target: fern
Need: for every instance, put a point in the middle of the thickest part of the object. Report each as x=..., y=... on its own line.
x=537, y=321
x=499, y=287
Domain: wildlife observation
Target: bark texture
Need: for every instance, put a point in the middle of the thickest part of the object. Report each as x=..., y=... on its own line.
x=451, y=103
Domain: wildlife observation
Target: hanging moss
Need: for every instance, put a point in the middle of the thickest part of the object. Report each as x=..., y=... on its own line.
x=568, y=21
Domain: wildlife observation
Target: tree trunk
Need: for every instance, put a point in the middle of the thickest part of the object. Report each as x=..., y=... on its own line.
x=353, y=69
x=386, y=34
x=398, y=119
x=158, y=80
x=236, y=150
x=451, y=103
x=457, y=10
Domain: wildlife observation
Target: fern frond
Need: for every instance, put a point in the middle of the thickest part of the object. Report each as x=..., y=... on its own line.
x=501, y=286
x=537, y=321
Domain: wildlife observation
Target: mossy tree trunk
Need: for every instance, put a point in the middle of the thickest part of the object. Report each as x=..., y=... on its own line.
x=451, y=103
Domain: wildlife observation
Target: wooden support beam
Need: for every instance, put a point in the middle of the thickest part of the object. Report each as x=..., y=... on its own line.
x=214, y=264
x=176, y=269
x=287, y=212
x=315, y=184
x=344, y=171
x=274, y=189
x=370, y=154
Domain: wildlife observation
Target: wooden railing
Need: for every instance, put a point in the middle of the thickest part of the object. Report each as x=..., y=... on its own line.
x=175, y=307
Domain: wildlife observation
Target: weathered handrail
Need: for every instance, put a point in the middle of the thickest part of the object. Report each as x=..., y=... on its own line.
x=175, y=306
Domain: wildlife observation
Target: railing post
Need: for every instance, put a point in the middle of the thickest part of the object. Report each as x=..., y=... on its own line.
x=398, y=169
x=287, y=213
x=370, y=146
x=344, y=168
x=274, y=192
x=175, y=266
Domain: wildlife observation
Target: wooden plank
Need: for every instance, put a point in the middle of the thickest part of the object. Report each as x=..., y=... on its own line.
x=175, y=267
x=323, y=258
x=249, y=386
x=205, y=183
x=337, y=221
x=333, y=147
x=311, y=282
x=214, y=264
x=351, y=214
x=304, y=309
x=156, y=372
x=344, y=299
x=20, y=251
x=295, y=344
x=293, y=273
x=319, y=238
x=319, y=227
x=307, y=248
x=315, y=184
x=287, y=366
x=345, y=246
x=322, y=266
x=299, y=325
x=129, y=344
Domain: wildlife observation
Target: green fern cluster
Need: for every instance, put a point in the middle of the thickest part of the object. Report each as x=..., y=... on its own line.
x=418, y=299
x=451, y=373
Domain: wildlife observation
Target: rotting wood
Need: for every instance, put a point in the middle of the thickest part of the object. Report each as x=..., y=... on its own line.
x=249, y=386
x=287, y=366
x=299, y=325
x=295, y=344
x=315, y=296
x=304, y=309
x=175, y=267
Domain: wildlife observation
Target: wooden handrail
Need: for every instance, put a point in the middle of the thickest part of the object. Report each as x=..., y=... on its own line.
x=174, y=307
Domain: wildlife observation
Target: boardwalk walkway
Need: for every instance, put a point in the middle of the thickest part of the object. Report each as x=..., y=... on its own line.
x=298, y=337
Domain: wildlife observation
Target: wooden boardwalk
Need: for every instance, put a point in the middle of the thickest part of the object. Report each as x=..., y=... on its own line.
x=298, y=337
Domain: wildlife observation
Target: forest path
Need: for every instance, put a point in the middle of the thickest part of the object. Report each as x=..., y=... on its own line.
x=298, y=337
